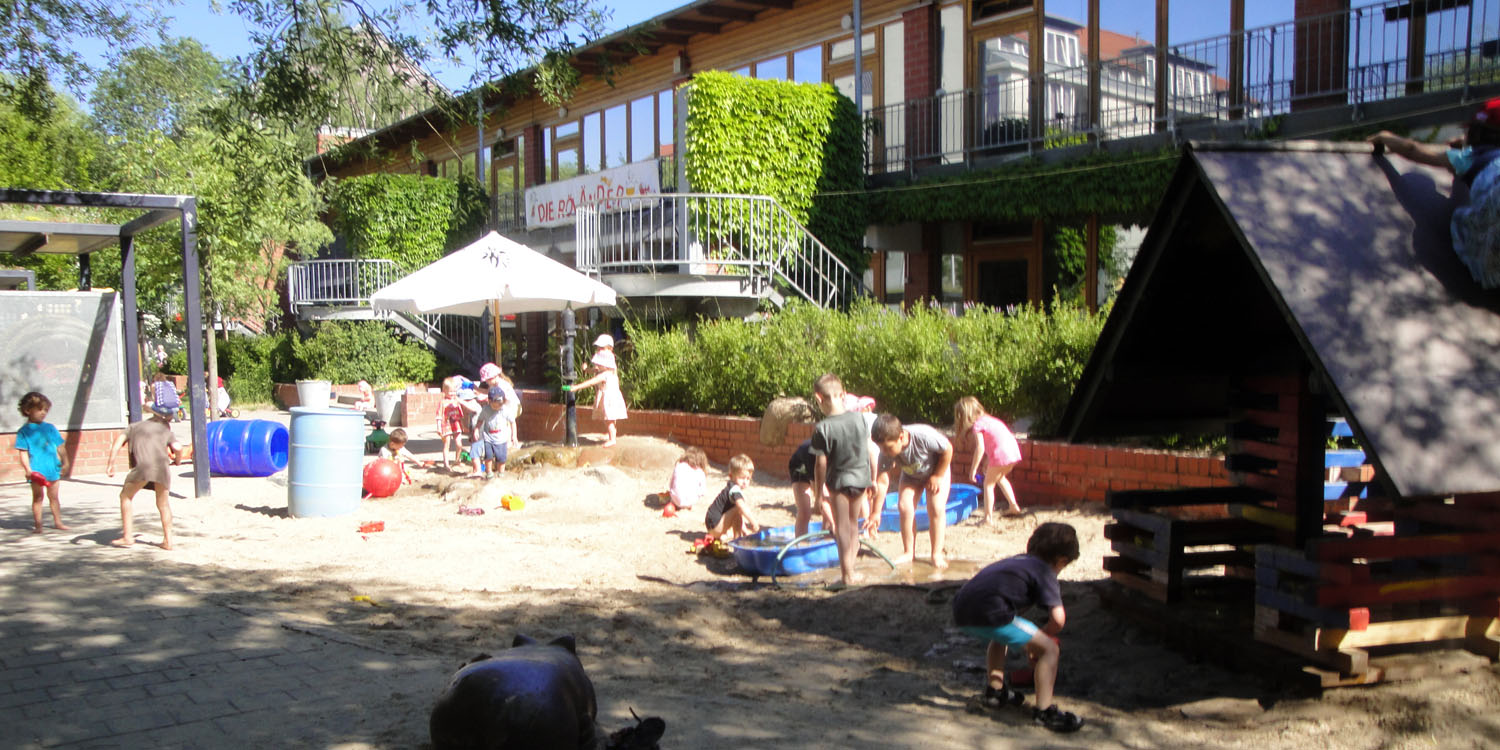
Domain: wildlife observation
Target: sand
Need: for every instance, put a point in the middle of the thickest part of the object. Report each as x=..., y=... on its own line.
x=728, y=662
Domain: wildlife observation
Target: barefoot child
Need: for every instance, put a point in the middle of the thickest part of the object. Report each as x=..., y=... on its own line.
x=729, y=514
x=151, y=444
x=452, y=421
x=689, y=482
x=988, y=608
x=395, y=450
x=800, y=468
x=921, y=457
x=609, y=402
x=995, y=445
x=843, y=468
x=491, y=444
x=43, y=458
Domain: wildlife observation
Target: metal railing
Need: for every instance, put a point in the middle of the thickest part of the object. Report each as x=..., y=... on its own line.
x=1366, y=54
x=350, y=283
x=509, y=211
x=752, y=236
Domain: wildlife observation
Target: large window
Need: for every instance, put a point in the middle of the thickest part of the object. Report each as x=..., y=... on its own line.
x=616, y=137
x=773, y=68
x=592, y=158
x=642, y=130
x=807, y=65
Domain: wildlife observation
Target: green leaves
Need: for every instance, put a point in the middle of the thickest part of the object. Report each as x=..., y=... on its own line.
x=410, y=219
x=787, y=140
x=916, y=364
x=348, y=352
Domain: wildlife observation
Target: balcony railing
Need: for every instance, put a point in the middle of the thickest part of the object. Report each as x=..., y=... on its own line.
x=752, y=236
x=1366, y=54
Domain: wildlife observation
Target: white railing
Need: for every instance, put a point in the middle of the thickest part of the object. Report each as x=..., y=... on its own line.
x=752, y=236
x=350, y=283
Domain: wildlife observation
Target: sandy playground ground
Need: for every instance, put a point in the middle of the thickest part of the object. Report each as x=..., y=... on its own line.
x=731, y=663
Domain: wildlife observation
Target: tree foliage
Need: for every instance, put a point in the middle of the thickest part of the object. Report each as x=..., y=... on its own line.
x=161, y=89
x=37, y=40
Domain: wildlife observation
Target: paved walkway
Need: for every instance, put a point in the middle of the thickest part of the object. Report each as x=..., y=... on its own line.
x=102, y=647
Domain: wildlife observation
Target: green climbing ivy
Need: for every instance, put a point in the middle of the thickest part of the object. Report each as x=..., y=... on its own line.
x=410, y=219
x=1119, y=188
x=791, y=141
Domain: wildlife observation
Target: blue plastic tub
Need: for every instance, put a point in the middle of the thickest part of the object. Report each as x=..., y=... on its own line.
x=325, y=474
x=962, y=500
x=757, y=553
x=246, y=447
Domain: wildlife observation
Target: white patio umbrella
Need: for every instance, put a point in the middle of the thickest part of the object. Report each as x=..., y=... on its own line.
x=495, y=274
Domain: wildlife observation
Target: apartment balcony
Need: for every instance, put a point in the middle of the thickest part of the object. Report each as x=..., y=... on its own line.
x=1312, y=76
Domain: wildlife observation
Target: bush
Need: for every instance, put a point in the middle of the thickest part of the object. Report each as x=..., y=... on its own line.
x=915, y=364
x=245, y=365
x=346, y=352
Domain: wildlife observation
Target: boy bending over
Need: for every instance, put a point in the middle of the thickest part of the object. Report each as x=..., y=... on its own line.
x=729, y=513
x=921, y=457
x=987, y=608
x=151, y=444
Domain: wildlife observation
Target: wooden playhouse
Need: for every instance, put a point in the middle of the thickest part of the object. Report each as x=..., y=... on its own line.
x=1282, y=290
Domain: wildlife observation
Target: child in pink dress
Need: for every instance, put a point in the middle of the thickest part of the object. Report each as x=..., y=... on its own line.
x=992, y=441
x=609, y=402
x=689, y=482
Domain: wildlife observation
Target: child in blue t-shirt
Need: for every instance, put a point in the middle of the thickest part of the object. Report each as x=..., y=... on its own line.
x=43, y=457
x=988, y=607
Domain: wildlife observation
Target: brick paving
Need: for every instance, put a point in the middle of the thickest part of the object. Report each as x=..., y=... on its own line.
x=102, y=647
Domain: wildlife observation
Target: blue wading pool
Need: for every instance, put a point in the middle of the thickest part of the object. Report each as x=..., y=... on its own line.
x=962, y=500
x=757, y=553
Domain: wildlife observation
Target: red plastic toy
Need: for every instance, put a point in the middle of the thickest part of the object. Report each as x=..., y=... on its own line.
x=382, y=478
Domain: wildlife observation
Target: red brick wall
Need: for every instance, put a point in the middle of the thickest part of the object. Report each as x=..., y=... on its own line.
x=1050, y=474
x=919, y=30
x=88, y=450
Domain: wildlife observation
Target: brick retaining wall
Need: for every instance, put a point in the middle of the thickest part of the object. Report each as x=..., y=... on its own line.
x=1051, y=473
x=88, y=449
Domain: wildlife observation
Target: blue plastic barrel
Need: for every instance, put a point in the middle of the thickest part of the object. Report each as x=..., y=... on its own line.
x=246, y=447
x=327, y=461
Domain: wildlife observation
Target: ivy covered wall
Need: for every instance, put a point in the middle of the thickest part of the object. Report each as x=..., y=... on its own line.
x=787, y=140
x=410, y=219
x=1119, y=188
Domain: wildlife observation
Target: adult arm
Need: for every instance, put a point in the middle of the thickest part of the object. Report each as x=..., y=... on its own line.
x=1434, y=154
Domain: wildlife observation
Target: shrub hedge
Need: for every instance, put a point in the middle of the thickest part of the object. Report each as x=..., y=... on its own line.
x=916, y=364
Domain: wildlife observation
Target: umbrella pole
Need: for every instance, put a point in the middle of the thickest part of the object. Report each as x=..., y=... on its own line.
x=495, y=317
x=570, y=422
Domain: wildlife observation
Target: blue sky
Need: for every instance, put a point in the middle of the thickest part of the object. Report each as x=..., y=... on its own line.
x=226, y=35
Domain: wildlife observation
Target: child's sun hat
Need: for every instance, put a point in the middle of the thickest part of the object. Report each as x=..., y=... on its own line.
x=489, y=370
x=605, y=340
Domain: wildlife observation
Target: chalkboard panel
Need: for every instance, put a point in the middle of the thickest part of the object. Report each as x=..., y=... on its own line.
x=66, y=345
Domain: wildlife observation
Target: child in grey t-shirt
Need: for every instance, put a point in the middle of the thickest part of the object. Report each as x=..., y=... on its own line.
x=921, y=456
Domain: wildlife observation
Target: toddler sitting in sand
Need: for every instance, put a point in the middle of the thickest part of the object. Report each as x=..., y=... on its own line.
x=689, y=482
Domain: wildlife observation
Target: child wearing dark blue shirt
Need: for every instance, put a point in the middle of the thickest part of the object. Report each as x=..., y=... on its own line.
x=987, y=607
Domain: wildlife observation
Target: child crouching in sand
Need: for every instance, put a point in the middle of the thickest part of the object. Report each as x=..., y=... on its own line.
x=151, y=444
x=988, y=607
x=729, y=514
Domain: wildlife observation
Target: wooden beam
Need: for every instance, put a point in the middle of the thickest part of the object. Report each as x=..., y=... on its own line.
x=1264, y=516
x=1346, y=661
x=783, y=4
x=668, y=37
x=728, y=13
x=1395, y=592
x=30, y=245
x=1425, y=630
x=692, y=27
x=1143, y=499
x=1428, y=545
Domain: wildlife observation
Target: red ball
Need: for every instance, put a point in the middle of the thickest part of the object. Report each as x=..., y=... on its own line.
x=382, y=478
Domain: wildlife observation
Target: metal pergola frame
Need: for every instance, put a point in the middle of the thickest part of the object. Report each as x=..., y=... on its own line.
x=81, y=239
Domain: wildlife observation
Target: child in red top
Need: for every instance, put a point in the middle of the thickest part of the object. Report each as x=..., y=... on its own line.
x=452, y=420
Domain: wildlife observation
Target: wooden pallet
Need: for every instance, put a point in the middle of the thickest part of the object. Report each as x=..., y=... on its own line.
x=1161, y=537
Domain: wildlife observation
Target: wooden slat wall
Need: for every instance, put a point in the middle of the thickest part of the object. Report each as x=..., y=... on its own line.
x=774, y=32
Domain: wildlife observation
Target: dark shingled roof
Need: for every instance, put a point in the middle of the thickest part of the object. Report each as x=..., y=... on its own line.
x=1323, y=257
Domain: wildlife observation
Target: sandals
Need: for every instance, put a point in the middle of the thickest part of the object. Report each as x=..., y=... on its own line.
x=1056, y=719
x=1001, y=697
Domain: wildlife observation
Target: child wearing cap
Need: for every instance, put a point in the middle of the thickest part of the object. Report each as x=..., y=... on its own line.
x=1475, y=159
x=492, y=434
x=609, y=402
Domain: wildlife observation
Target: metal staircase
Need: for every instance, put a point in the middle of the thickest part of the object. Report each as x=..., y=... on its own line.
x=341, y=289
x=746, y=242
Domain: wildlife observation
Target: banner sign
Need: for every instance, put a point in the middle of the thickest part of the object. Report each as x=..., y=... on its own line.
x=553, y=204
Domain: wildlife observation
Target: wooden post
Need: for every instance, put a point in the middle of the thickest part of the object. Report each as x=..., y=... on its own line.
x=1163, y=79
x=1096, y=97
x=1091, y=264
x=1416, y=48
x=1236, y=59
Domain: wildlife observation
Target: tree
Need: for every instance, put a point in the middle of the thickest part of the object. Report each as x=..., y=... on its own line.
x=159, y=89
x=37, y=40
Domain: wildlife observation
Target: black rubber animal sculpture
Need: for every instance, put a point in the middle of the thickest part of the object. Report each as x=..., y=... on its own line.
x=533, y=696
